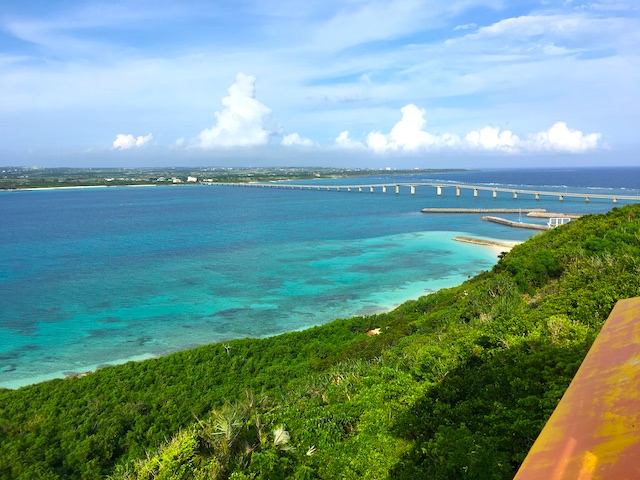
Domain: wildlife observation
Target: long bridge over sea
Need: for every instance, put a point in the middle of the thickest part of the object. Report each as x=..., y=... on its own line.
x=438, y=187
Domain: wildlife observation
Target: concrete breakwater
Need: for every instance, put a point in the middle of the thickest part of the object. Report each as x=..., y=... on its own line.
x=510, y=223
x=485, y=210
x=546, y=214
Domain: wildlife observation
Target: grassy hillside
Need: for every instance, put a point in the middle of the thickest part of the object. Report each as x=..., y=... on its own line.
x=457, y=384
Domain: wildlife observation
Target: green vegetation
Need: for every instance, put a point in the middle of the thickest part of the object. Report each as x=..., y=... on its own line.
x=12, y=178
x=457, y=385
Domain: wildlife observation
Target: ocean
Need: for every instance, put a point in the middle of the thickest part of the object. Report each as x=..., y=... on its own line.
x=95, y=277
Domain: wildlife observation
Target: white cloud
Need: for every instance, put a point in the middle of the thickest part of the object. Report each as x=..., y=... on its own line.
x=126, y=141
x=295, y=139
x=409, y=134
x=558, y=138
x=360, y=22
x=557, y=26
x=344, y=140
x=561, y=138
x=406, y=134
x=244, y=121
x=531, y=35
x=491, y=138
x=142, y=140
x=466, y=26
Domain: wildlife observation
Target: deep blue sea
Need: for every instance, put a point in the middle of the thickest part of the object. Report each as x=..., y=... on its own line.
x=92, y=277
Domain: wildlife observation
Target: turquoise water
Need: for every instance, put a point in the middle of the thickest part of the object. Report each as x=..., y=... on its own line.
x=90, y=277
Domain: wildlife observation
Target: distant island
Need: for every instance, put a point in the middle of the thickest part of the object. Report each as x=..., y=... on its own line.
x=15, y=178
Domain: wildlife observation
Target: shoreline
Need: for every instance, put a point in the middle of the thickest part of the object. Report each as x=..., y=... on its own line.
x=73, y=373
x=426, y=287
x=391, y=301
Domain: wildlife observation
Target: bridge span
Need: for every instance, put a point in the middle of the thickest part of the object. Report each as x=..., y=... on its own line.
x=439, y=188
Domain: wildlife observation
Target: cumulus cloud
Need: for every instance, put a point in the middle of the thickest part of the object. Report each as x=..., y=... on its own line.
x=409, y=135
x=558, y=138
x=126, y=141
x=244, y=121
x=561, y=138
x=491, y=138
x=344, y=140
x=295, y=139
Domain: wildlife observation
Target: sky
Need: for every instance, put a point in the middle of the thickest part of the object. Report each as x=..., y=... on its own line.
x=351, y=83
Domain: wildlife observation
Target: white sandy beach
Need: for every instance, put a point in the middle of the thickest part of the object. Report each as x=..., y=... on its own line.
x=499, y=246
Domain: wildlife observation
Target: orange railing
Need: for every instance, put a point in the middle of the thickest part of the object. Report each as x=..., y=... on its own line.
x=594, y=432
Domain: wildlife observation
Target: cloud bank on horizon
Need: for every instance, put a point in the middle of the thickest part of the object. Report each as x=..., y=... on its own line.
x=409, y=135
x=245, y=121
x=365, y=79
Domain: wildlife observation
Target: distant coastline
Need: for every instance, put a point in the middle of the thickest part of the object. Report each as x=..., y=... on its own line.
x=74, y=187
x=23, y=178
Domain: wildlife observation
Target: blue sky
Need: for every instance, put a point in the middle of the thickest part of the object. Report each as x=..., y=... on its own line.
x=411, y=83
